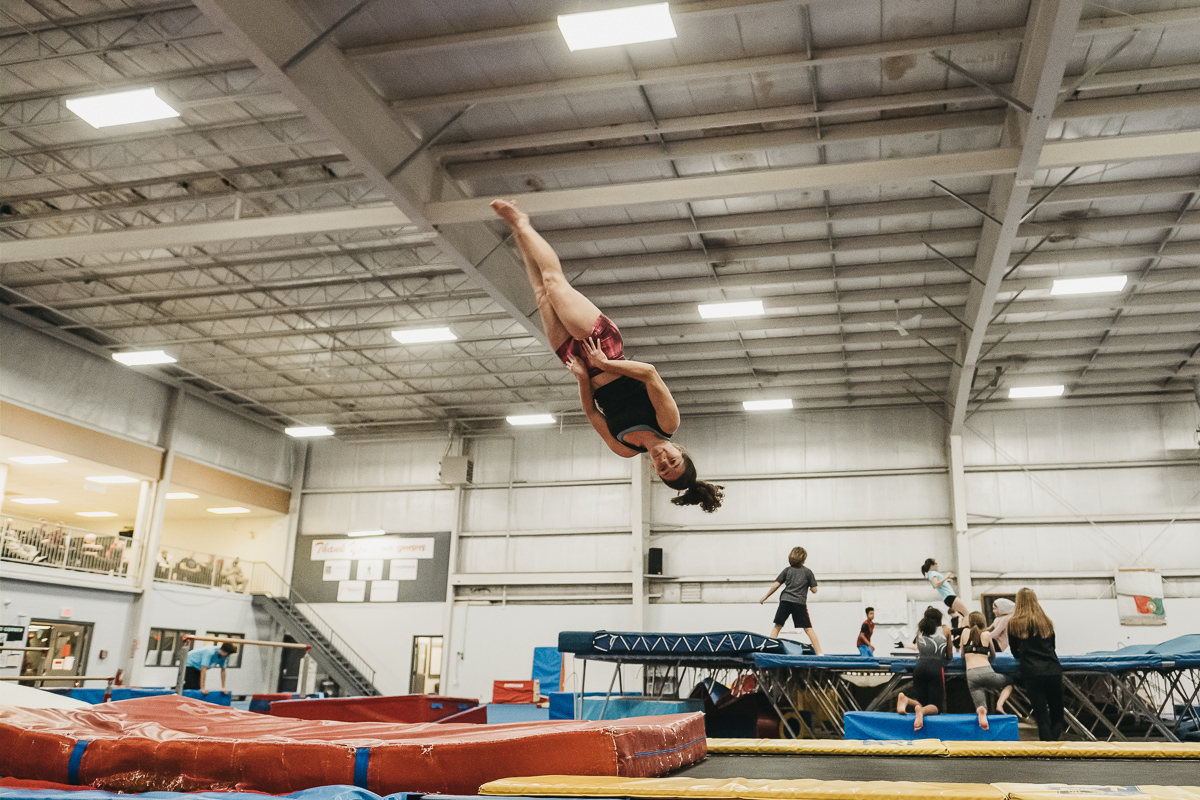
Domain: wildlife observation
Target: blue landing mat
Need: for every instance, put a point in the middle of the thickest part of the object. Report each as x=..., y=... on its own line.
x=947, y=727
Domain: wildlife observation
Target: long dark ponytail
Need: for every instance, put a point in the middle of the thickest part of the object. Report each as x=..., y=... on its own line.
x=695, y=492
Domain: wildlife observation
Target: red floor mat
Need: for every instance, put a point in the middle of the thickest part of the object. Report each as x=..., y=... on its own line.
x=176, y=744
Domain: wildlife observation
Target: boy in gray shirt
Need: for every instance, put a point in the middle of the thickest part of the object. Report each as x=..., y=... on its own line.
x=797, y=581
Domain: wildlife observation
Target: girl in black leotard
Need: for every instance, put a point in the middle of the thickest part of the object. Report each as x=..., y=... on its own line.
x=626, y=401
x=977, y=651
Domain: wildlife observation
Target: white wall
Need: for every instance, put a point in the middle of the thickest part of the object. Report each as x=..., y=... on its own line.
x=250, y=539
x=382, y=633
x=108, y=611
x=206, y=611
x=865, y=491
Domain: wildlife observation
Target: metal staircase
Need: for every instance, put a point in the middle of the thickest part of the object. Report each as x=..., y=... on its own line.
x=333, y=655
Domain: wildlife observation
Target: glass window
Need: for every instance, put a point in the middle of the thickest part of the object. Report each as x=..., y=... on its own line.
x=166, y=647
x=235, y=660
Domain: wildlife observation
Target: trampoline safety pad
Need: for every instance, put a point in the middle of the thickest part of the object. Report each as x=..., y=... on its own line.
x=934, y=747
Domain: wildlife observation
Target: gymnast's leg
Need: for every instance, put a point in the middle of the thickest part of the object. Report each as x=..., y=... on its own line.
x=575, y=313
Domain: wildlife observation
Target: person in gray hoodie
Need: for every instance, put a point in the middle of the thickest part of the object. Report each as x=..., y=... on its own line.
x=1002, y=610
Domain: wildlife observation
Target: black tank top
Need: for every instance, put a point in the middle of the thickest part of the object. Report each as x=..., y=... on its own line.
x=976, y=649
x=627, y=408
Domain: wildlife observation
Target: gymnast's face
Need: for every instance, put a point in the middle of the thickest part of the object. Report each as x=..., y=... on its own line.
x=668, y=461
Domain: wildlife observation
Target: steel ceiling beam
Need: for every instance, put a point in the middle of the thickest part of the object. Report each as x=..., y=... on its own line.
x=919, y=46
x=1050, y=32
x=998, y=161
x=336, y=100
x=159, y=237
x=830, y=110
x=488, y=36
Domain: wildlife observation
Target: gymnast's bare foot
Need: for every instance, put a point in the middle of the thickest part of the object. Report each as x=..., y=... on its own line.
x=510, y=213
x=920, y=720
x=902, y=704
x=983, y=722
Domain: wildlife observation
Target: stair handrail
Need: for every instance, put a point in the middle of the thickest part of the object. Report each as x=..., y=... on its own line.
x=265, y=580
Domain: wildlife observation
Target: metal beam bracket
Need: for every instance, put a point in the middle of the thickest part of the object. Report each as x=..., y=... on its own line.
x=982, y=84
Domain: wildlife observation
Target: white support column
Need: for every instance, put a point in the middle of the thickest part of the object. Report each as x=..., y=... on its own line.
x=157, y=503
x=299, y=471
x=639, y=520
x=457, y=448
x=958, y=508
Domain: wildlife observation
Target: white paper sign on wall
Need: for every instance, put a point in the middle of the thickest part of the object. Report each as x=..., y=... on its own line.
x=370, y=569
x=352, y=591
x=403, y=569
x=336, y=571
x=384, y=591
x=1140, y=597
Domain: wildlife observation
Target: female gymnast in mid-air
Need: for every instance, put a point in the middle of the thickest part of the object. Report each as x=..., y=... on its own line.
x=626, y=401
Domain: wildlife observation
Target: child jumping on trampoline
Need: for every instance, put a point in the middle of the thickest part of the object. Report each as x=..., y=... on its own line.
x=945, y=588
x=627, y=402
x=797, y=581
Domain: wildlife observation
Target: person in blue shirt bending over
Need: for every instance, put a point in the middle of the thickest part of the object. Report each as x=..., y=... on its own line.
x=199, y=661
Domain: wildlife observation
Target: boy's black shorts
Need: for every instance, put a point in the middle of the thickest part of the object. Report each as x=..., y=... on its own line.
x=797, y=611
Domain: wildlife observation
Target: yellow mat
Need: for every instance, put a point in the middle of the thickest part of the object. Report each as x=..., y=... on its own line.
x=744, y=789
x=934, y=747
x=738, y=789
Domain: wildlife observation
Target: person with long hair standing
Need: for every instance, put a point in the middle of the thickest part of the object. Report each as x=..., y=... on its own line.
x=977, y=650
x=1031, y=639
x=935, y=648
x=626, y=402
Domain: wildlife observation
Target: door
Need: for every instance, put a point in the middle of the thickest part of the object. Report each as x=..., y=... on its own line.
x=426, y=675
x=67, y=646
x=289, y=667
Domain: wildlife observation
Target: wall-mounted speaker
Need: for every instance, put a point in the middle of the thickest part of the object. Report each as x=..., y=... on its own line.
x=654, y=561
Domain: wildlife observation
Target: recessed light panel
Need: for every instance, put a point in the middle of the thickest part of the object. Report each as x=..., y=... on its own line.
x=33, y=501
x=365, y=533
x=38, y=460
x=142, y=358
x=121, y=108
x=95, y=513
x=229, y=510
x=1104, y=283
x=766, y=405
x=113, y=479
x=423, y=335
x=747, y=308
x=308, y=431
x=591, y=29
x=531, y=419
x=181, y=496
x=1018, y=392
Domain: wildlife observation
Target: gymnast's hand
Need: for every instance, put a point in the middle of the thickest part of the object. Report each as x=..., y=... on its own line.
x=578, y=368
x=595, y=354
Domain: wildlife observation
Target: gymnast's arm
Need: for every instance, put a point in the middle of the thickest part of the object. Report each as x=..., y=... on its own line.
x=770, y=592
x=594, y=416
x=660, y=396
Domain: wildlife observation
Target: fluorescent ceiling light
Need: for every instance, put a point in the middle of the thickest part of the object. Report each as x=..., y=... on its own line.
x=531, y=419
x=229, y=510
x=181, y=496
x=95, y=513
x=33, y=501
x=311, y=430
x=421, y=335
x=766, y=405
x=141, y=358
x=1104, y=283
x=365, y=533
x=38, y=460
x=121, y=108
x=1035, y=391
x=747, y=308
x=113, y=479
x=617, y=26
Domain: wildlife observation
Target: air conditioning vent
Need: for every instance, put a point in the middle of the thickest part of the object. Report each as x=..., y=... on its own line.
x=689, y=592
